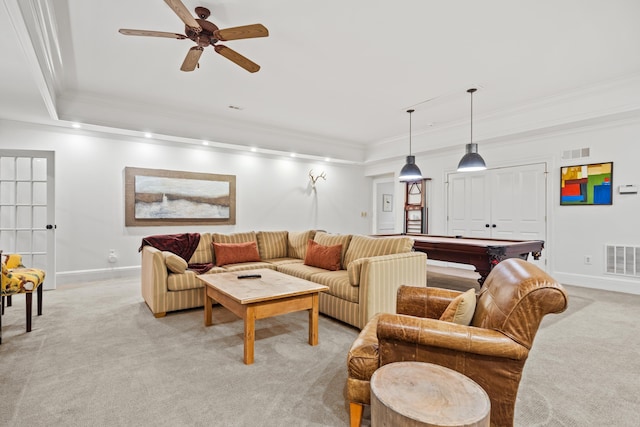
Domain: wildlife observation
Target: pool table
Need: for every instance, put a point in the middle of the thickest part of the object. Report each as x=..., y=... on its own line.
x=482, y=253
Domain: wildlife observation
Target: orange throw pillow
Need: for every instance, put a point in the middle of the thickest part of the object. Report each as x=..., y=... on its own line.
x=233, y=253
x=327, y=257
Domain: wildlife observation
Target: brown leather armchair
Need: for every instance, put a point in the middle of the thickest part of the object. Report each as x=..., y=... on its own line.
x=491, y=351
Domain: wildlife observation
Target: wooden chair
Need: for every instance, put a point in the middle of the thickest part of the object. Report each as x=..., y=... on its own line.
x=17, y=279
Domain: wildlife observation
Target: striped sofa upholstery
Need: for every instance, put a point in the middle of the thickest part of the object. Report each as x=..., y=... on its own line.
x=372, y=271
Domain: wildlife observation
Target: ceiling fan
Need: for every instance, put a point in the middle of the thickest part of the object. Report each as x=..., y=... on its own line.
x=205, y=33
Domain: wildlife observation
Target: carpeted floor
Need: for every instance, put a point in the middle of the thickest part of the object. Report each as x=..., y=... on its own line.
x=97, y=357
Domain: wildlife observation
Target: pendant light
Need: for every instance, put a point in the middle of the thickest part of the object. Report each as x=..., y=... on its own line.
x=471, y=161
x=410, y=171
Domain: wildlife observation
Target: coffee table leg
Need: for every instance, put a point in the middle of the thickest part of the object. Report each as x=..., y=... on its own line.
x=207, y=309
x=249, y=334
x=313, y=321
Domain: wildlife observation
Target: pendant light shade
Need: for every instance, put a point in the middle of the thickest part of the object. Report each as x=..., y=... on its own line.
x=471, y=161
x=410, y=171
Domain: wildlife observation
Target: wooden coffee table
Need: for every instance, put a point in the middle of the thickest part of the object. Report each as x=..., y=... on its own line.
x=250, y=299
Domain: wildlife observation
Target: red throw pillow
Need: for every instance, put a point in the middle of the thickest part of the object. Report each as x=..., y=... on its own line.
x=327, y=257
x=233, y=253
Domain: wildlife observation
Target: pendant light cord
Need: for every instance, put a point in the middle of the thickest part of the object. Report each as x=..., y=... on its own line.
x=471, y=136
x=410, y=111
x=471, y=92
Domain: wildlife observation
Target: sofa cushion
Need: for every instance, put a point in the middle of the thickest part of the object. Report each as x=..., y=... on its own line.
x=299, y=270
x=365, y=246
x=248, y=266
x=327, y=239
x=272, y=244
x=281, y=261
x=460, y=310
x=204, y=251
x=234, y=253
x=249, y=236
x=174, y=263
x=338, y=283
x=298, y=241
x=327, y=257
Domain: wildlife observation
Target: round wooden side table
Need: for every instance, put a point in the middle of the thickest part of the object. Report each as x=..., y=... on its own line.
x=417, y=394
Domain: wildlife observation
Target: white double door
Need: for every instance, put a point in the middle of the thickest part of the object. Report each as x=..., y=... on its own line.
x=503, y=203
x=27, y=209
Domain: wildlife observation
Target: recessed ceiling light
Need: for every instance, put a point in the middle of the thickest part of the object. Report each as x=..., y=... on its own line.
x=147, y=135
x=292, y=154
x=254, y=149
x=205, y=142
x=76, y=125
x=327, y=159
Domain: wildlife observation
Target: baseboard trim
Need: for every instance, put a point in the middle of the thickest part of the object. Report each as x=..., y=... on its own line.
x=616, y=284
x=79, y=276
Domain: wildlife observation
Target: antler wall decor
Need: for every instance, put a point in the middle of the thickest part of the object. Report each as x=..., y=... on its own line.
x=314, y=179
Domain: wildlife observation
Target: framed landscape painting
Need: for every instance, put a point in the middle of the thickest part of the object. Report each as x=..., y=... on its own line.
x=155, y=197
x=586, y=184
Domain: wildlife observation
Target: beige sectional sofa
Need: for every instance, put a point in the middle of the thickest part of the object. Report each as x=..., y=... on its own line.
x=370, y=270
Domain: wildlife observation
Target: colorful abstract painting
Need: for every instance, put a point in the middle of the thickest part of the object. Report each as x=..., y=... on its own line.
x=586, y=184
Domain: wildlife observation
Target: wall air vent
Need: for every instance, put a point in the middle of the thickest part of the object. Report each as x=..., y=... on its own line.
x=577, y=153
x=623, y=260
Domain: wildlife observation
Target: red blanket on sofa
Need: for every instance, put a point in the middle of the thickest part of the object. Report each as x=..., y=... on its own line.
x=183, y=245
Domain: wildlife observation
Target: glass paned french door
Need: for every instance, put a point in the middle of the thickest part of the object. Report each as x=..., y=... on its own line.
x=27, y=209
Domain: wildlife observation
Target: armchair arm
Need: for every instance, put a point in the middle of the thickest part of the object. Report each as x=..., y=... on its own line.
x=424, y=302
x=418, y=337
x=380, y=278
x=154, y=280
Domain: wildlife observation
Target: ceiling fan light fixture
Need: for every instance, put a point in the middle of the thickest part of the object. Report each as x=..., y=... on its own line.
x=205, y=33
x=472, y=161
x=410, y=172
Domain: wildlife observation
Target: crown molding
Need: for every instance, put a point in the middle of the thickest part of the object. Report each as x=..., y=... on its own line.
x=34, y=24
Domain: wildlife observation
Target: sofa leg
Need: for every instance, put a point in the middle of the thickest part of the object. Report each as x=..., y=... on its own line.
x=355, y=413
x=159, y=315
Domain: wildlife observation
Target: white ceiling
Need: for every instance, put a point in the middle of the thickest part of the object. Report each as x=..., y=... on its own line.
x=337, y=76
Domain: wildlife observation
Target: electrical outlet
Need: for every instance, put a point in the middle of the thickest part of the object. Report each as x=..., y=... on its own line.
x=587, y=259
x=112, y=258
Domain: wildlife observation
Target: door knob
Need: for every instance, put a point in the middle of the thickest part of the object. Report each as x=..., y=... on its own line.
x=486, y=225
x=493, y=226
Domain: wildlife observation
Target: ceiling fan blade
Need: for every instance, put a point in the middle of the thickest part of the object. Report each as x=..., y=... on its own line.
x=183, y=13
x=243, y=32
x=235, y=57
x=149, y=33
x=191, y=60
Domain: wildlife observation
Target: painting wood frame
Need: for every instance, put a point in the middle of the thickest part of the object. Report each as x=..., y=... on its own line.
x=192, y=198
x=586, y=185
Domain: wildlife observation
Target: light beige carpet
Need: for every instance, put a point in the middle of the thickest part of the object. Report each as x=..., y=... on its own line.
x=97, y=357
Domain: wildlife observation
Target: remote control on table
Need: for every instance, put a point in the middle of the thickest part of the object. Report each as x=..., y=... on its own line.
x=249, y=276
